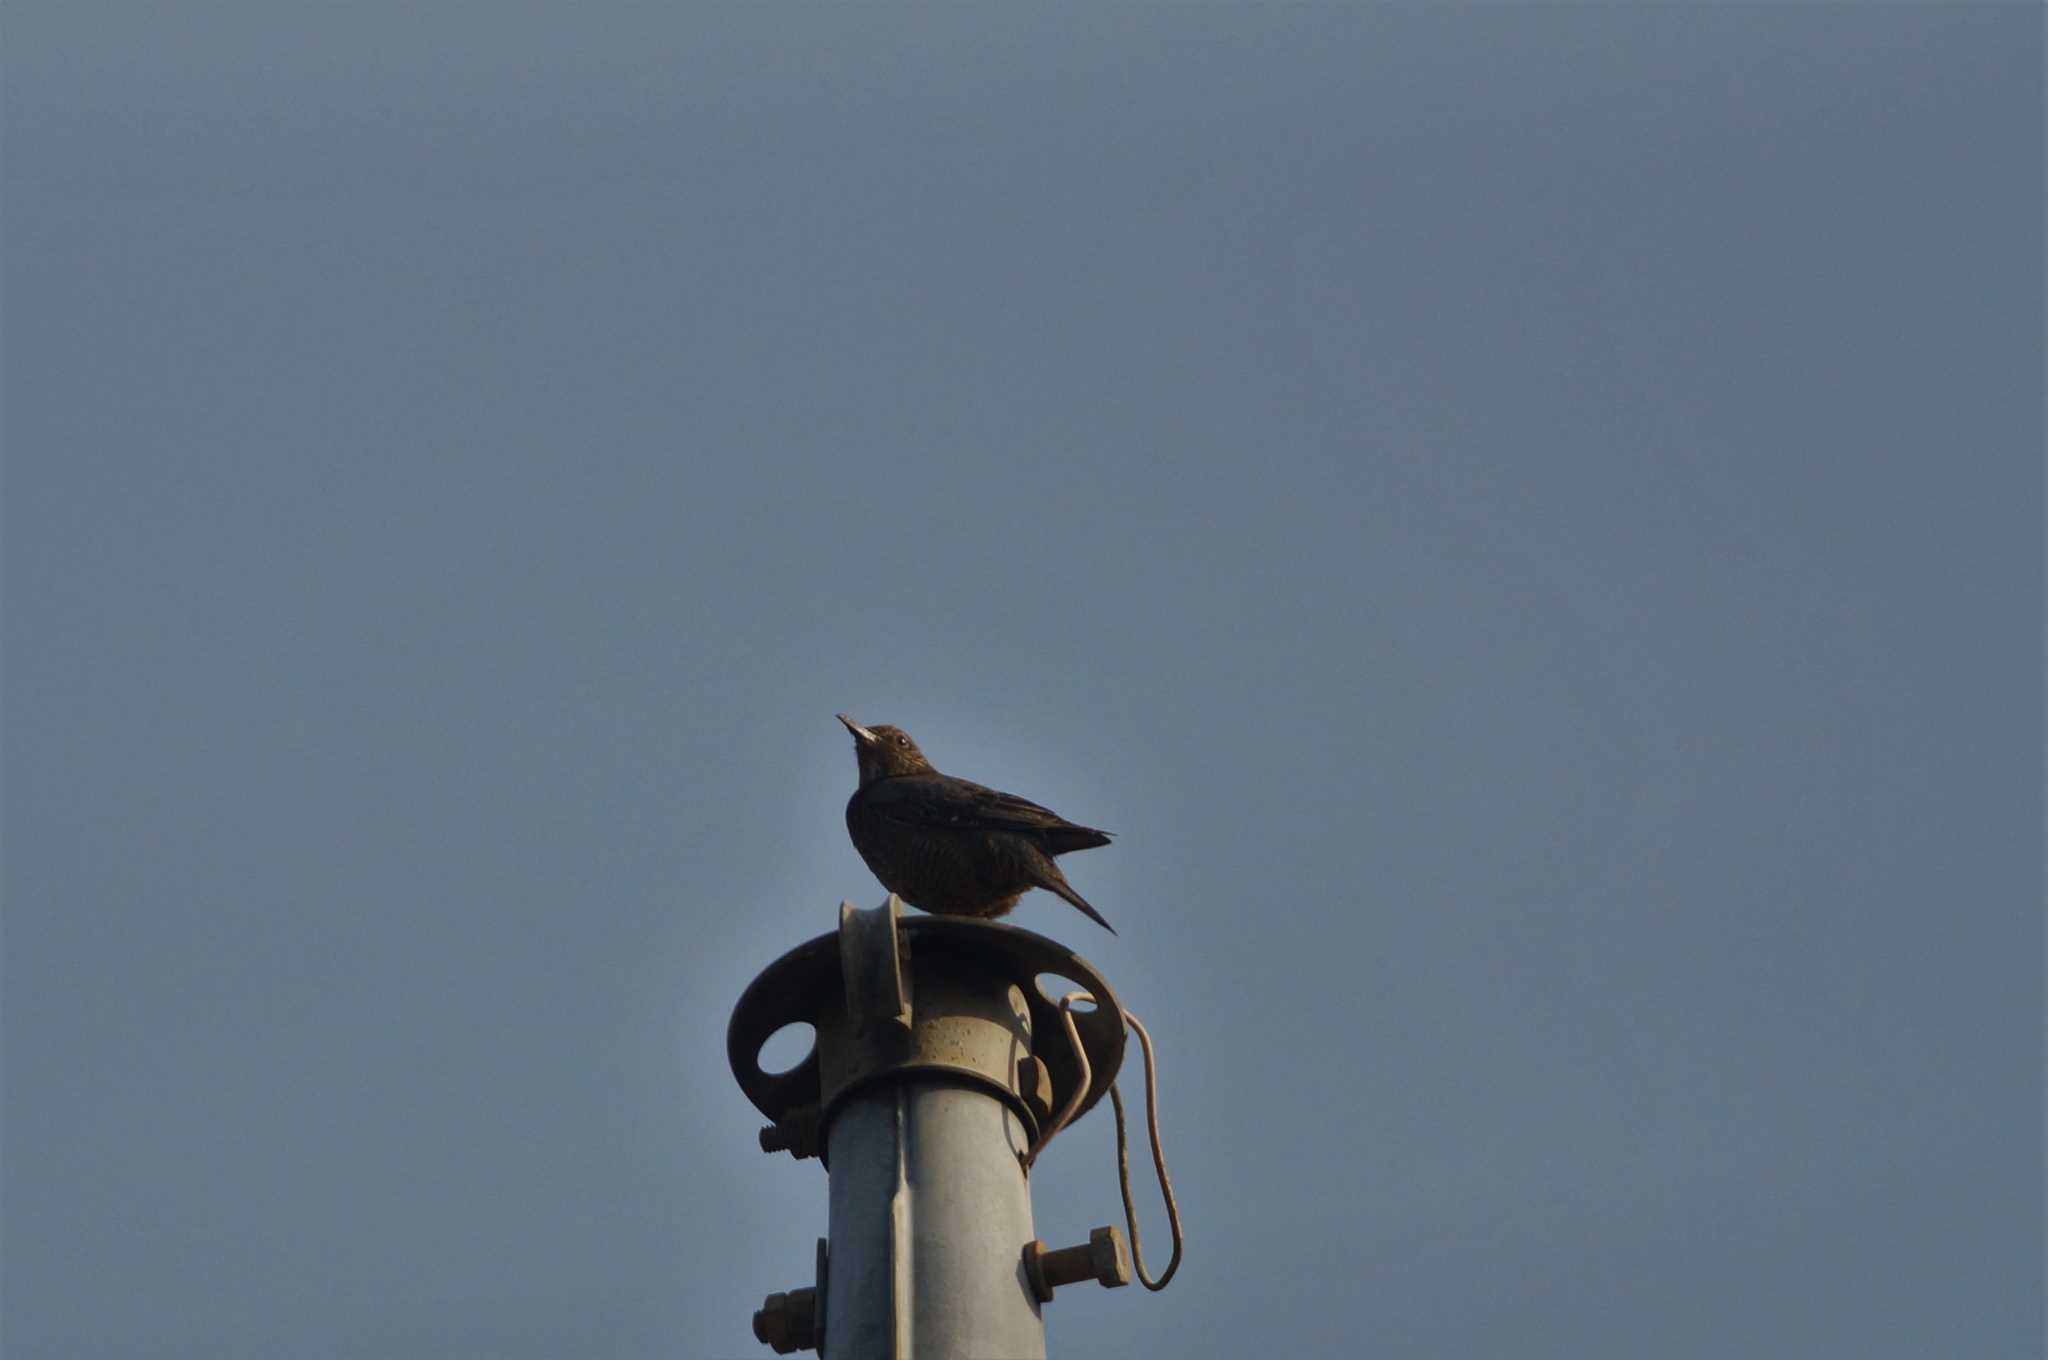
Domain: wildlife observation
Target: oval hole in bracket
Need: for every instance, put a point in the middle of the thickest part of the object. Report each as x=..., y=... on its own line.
x=1052, y=987
x=785, y=1049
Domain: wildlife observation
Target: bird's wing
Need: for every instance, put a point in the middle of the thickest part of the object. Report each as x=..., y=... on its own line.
x=938, y=800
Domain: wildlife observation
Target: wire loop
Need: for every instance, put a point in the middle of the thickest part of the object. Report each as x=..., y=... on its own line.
x=1123, y=1143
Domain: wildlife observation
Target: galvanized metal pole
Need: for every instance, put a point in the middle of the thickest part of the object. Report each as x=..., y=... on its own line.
x=929, y=1213
x=925, y=1097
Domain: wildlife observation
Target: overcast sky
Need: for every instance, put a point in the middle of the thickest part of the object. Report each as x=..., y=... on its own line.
x=1526, y=520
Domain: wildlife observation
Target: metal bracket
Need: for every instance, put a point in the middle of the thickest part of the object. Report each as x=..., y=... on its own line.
x=860, y=987
x=871, y=964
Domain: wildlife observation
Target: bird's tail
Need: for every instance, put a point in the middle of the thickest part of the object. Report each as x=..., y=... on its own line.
x=1057, y=882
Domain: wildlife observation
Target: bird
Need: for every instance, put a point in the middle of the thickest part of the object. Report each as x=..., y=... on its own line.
x=951, y=846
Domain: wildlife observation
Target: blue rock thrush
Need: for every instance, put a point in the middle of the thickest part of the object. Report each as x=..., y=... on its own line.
x=951, y=846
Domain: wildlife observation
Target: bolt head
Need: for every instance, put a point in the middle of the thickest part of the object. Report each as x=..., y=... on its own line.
x=1106, y=1254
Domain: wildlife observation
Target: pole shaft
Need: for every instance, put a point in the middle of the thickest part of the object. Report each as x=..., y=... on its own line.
x=930, y=1214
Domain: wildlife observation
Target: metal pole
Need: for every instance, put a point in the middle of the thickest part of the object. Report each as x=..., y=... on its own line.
x=927, y=1228
x=925, y=1096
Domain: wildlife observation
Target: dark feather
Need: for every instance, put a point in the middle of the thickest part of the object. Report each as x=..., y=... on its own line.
x=942, y=801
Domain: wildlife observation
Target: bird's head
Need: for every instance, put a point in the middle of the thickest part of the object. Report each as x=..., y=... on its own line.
x=883, y=751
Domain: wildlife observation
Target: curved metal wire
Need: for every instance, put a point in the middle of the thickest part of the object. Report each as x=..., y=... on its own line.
x=1123, y=1142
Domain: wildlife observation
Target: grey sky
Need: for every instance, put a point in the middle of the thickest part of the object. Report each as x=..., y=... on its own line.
x=1526, y=521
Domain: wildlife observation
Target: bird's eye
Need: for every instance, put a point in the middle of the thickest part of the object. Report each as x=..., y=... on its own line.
x=902, y=740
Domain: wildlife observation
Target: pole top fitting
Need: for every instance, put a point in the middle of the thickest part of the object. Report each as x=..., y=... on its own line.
x=895, y=997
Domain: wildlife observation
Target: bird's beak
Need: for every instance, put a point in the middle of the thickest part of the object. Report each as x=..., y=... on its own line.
x=855, y=727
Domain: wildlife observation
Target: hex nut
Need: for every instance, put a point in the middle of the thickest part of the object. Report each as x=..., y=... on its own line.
x=788, y=1322
x=1111, y=1266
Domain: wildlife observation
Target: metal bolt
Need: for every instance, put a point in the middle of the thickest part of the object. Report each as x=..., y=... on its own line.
x=788, y=1322
x=1101, y=1258
x=796, y=1133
